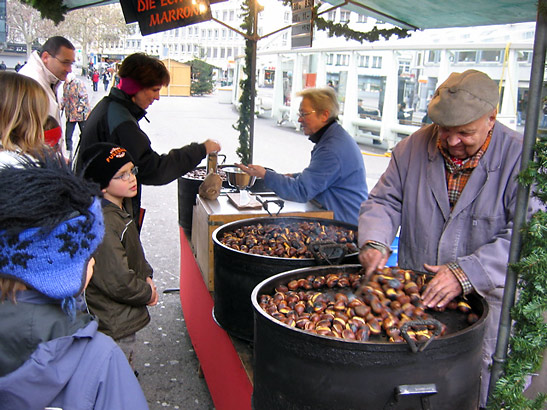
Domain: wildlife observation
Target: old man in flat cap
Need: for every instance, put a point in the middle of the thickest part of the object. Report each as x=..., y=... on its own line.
x=451, y=189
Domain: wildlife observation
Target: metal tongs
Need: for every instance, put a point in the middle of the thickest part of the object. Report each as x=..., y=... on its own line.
x=279, y=202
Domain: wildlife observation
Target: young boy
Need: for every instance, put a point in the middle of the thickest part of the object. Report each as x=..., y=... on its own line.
x=122, y=286
x=52, y=356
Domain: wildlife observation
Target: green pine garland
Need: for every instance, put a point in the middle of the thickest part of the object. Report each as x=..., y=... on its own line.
x=245, y=112
x=49, y=9
x=528, y=341
x=342, y=30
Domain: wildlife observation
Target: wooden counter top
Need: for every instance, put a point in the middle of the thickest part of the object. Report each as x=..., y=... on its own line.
x=209, y=215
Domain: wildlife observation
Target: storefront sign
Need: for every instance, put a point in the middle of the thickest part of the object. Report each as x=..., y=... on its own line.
x=160, y=15
x=302, y=29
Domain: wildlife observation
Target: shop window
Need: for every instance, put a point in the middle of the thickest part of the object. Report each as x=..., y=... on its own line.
x=344, y=16
x=491, y=56
x=376, y=62
x=524, y=56
x=404, y=67
x=287, y=17
x=466, y=56
x=434, y=56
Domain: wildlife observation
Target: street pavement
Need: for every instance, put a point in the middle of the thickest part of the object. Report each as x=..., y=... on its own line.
x=165, y=359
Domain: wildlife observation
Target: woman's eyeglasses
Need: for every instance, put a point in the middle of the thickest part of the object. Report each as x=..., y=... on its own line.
x=302, y=114
x=126, y=175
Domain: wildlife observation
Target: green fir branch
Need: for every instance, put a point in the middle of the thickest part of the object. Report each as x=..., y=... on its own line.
x=343, y=30
x=243, y=125
x=49, y=9
x=528, y=342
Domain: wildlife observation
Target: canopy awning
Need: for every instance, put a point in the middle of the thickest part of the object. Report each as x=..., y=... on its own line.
x=425, y=14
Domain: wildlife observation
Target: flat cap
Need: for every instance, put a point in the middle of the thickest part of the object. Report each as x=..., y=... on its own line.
x=463, y=98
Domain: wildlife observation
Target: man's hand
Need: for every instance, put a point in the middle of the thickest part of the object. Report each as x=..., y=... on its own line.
x=442, y=288
x=253, y=170
x=212, y=146
x=372, y=259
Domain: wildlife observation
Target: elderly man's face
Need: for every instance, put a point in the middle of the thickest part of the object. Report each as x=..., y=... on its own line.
x=61, y=64
x=465, y=140
x=311, y=120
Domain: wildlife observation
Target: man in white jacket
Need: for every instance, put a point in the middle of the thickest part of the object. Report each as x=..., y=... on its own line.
x=49, y=67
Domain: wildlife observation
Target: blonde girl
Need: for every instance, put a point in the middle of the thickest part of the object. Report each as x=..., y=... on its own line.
x=23, y=111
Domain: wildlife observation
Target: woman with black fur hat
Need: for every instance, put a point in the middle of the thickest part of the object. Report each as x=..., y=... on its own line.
x=51, y=223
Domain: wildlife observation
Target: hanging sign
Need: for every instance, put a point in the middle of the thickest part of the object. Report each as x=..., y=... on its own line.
x=160, y=15
x=302, y=27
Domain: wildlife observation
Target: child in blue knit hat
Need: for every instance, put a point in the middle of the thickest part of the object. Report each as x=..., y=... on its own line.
x=122, y=286
x=51, y=355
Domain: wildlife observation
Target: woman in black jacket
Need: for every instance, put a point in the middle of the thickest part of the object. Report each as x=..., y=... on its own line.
x=115, y=119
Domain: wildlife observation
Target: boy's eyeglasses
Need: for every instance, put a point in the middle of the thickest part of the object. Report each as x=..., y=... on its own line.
x=126, y=175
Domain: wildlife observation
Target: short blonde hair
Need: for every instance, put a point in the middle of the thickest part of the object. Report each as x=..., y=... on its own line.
x=322, y=99
x=9, y=288
x=24, y=107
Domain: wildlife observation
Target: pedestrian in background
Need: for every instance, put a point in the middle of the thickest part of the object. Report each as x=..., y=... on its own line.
x=122, y=286
x=52, y=355
x=76, y=108
x=106, y=79
x=95, y=80
x=50, y=67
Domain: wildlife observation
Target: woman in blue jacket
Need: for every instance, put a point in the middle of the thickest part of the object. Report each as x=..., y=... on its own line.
x=336, y=175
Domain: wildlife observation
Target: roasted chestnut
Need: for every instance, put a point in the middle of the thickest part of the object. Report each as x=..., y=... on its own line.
x=323, y=305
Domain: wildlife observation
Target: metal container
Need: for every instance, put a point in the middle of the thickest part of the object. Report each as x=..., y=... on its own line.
x=212, y=162
x=294, y=369
x=239, y=179
x=188, y=188
x=237, y=273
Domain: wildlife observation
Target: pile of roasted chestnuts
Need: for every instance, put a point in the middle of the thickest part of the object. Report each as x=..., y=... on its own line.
x=343, y=306
x=288, y=240
x=201, y=173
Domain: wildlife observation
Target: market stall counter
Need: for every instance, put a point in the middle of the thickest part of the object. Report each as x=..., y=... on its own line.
x=209, y=215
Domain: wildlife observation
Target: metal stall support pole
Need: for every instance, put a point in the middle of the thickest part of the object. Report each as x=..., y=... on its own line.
x=530, y=130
